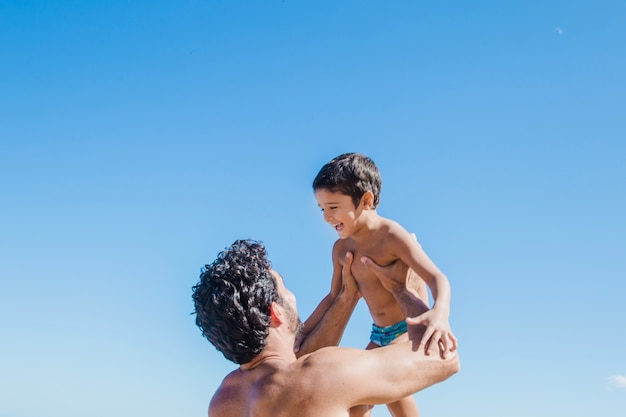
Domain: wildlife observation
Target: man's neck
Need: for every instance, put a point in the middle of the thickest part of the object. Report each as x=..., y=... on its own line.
x=278, y=349
x=260, y=360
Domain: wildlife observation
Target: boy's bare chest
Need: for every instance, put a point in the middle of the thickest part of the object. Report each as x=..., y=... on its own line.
x=376, y=251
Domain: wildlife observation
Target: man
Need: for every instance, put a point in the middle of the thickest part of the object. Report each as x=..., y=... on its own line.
x=247, y=313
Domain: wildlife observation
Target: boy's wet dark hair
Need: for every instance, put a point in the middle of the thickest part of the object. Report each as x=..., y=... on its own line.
x=352, y=174
x=232, y=300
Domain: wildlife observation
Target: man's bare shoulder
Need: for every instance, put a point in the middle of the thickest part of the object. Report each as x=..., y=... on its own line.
x=327, y=359
x=229, y=398
x=279, y=391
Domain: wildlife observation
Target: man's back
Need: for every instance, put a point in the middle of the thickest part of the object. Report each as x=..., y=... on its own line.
x=276, y=388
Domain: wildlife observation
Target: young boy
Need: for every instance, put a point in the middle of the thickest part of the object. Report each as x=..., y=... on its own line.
x=347, y=189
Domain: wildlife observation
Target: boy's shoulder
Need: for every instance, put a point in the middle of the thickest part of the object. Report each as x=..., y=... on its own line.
x=393, y=233
x=339, y=245
x=391, y=227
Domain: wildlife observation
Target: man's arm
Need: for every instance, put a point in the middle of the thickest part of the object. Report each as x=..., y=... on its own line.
x=394, y=278
x=351, y=377
x=332, y=323
x=380, y=376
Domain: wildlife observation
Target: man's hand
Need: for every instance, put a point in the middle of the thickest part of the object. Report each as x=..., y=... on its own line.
x=438, y=334
x=349, y=291
x=393, y=277
x=347, y=279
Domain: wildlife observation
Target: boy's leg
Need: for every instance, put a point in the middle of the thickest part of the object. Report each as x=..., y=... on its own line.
x=361, y=411
x=406, y=407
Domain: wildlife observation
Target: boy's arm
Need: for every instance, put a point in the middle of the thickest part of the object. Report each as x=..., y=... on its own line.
x=410, y=252
x=406, y=247
x=418, y=283
x=328, y=321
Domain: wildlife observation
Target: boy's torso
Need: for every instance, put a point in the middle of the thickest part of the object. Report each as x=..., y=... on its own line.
x=381, y=303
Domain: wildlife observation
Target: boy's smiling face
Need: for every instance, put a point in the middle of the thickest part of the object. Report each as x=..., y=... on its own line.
x=339, y=211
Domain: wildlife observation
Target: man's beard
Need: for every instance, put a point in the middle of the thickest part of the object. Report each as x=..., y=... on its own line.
x=295, y=324
x=299, y=327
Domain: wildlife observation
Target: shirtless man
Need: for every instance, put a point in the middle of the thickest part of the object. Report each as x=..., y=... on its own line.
x=244, y=309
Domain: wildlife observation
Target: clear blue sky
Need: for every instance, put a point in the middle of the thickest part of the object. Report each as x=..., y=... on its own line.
x=138, y=139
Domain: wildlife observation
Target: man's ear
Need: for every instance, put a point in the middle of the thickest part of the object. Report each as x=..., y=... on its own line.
x=367, y=199
x=276, y=312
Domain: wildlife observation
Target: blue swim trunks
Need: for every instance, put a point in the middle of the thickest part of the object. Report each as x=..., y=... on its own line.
x=382, y=336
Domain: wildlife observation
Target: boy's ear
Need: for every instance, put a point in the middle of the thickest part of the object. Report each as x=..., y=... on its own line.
x=367, y=200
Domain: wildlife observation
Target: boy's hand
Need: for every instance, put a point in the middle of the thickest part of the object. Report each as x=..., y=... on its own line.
x=438, y=333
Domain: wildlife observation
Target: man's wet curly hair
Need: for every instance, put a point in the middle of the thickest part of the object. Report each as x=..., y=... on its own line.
x=232, y=300
x=351, y=174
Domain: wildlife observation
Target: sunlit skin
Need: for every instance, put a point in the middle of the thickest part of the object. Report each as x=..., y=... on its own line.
x=366, y=234
x=330, y=381
x=288, y=304
x=369, y=236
